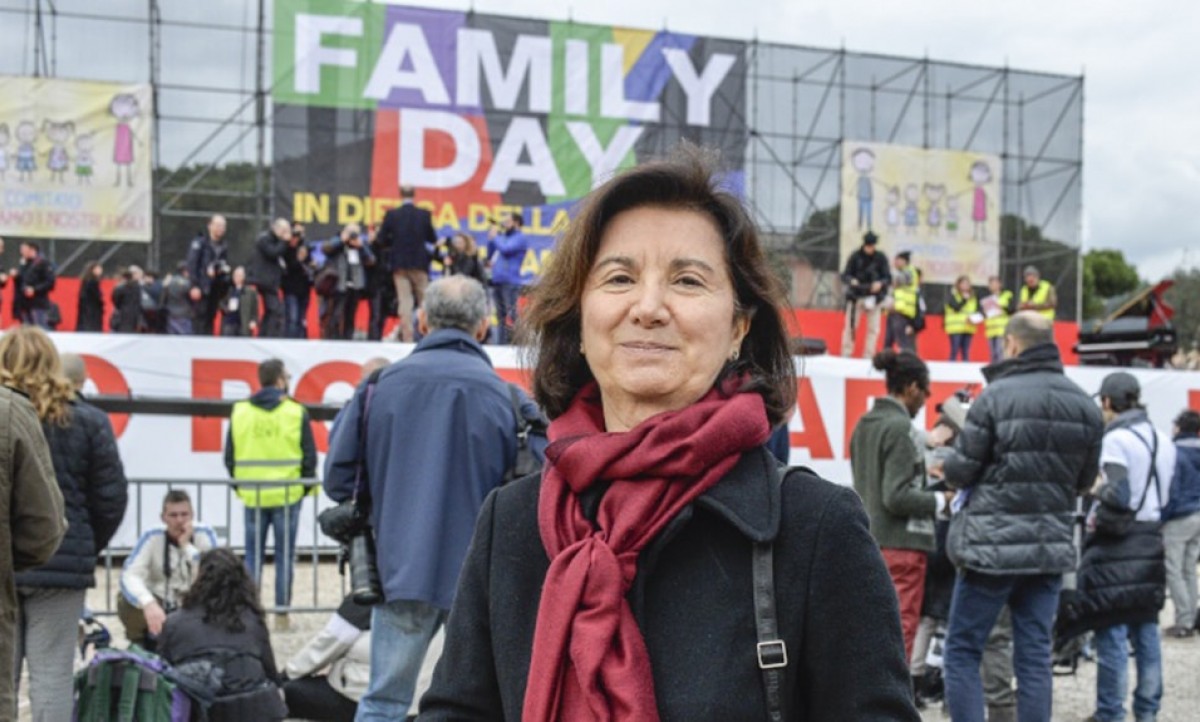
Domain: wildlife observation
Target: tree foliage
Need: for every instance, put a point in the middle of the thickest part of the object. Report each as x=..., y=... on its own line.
x=1106, y=274
x=1184, y=296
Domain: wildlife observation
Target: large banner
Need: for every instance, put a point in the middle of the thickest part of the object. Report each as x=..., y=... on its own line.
x=481, y=113
x=833, y=393
x=75, y=159
x=943, y=205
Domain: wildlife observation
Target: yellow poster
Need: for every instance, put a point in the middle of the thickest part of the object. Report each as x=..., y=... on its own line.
x=75, y=159
x=942, y=205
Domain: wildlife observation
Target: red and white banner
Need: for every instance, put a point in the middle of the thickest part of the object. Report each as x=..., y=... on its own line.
x=833, y=394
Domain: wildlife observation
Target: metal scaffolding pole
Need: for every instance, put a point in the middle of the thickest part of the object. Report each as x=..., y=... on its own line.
x=154, y=251
x=260, y=115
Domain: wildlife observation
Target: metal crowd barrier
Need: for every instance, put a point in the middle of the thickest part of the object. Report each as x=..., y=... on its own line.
x=144, y=511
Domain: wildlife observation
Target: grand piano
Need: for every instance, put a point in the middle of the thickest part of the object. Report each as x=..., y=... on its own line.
x=1136, y=330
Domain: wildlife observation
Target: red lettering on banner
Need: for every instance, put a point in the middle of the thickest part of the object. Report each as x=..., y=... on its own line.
x=111, y=382
x=814, y=437
x=311, y=390
x=1194, y=399
x=208, y=376
x=859, y=393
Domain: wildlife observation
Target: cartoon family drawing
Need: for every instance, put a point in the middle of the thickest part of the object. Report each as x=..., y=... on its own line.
x=123, y=107
x=941, y=206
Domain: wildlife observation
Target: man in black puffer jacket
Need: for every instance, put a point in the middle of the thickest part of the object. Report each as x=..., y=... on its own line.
x=1030, y=444
x=92, y=480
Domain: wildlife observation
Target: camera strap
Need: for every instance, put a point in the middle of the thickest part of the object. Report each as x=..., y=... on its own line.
x=362, y=491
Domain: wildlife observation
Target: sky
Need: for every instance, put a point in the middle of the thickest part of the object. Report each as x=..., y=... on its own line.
x=1139, y=59
x=1141, y=184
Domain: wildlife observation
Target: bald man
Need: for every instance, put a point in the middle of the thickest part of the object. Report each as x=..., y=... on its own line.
x=265, y=273
x=75, y=370
x=209, y=269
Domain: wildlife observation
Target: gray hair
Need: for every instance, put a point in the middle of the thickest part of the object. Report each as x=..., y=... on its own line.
x=455, y=302
x=1029, y=329
x=74, y=369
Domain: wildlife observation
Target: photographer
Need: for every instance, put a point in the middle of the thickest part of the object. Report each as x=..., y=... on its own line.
x=351, y=257
x=297, y=284
x=459, y=255
x=866, y=278
x=209, y=270
x=161, y=569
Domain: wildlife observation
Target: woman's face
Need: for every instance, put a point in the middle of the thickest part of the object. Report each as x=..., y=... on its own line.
x=658, y=319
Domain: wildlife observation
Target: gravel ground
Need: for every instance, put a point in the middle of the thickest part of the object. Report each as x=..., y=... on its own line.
x=1074, y=696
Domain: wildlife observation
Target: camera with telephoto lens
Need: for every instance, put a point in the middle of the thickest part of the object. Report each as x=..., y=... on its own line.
x=350, y=525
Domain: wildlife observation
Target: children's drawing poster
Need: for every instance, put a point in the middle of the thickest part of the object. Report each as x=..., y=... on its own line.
x=942, y=205
x=75, y=159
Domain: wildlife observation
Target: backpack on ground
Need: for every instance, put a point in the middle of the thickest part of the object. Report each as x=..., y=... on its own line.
x=132, y=686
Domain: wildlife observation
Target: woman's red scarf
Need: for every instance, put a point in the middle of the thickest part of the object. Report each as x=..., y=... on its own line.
x=589, y=658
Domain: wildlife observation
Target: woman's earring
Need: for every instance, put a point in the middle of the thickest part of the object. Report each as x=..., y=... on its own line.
x=734, y=355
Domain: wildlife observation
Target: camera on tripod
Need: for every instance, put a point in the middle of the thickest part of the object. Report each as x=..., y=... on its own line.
x=350, y=525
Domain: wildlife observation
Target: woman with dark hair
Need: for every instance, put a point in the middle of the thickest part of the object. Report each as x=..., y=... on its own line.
x=888, y=463
x=219, y=639
x=663, y=566
x=90, y=316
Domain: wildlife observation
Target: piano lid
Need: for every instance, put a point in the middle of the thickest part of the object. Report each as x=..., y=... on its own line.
x=1145, y=303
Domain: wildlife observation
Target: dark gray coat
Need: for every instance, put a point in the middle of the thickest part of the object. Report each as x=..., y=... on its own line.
x=1031, y=443
x=93, y=485
x=693, y=600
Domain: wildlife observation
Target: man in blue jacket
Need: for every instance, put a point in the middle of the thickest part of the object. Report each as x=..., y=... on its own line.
x=442, y=435
x=1181, y=527
x=507, y=250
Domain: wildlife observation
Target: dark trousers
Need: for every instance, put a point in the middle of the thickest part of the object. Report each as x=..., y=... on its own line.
x=960, y=346
x=206, y=314
x=897, y=333
x=505, y=295
x=295, y=309
x=378, y=313
x=271, y=325
x=314, y=699
x=340, y=310
x=978, y=599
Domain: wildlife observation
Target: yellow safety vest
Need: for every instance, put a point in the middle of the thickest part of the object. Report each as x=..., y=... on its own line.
x=267, y=447
x=996, y=325
x=956, y=322
x=905, y=297
x=1040, y=296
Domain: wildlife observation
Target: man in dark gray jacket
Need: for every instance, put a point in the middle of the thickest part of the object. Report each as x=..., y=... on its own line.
x=1031, y=443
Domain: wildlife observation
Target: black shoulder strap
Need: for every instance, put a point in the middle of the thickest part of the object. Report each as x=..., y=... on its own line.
x=1153, y=473
x=523, y=424
x=771, y=650
x=362, y=491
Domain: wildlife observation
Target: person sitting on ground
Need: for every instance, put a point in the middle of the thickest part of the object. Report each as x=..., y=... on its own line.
x=160, y=569
x=344, y=647
x=219, y=639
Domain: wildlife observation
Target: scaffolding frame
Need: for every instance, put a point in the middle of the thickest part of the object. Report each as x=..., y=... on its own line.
x=831, y=96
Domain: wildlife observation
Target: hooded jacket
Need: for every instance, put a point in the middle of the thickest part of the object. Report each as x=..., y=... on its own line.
x=1030, y=445
x=267, y=399
x=1184, y=499
x=31, y=518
